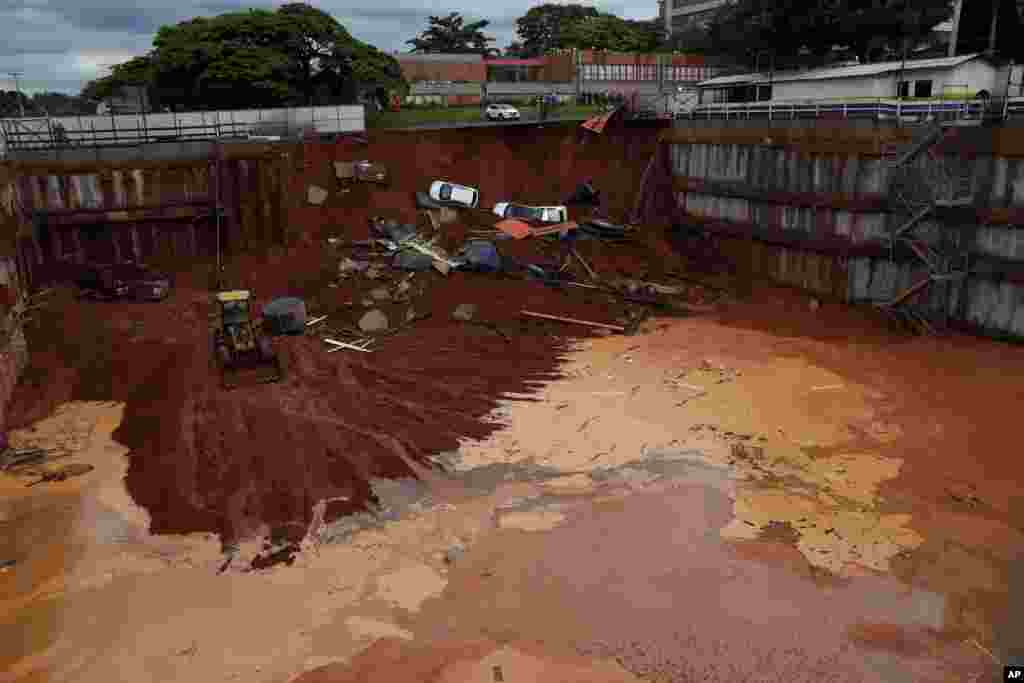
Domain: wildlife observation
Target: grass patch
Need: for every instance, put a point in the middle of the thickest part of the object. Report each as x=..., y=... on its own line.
x=465, y=114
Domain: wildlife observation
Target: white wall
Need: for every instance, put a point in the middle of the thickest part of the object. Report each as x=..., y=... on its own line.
x=833, y=88
x=975, y=74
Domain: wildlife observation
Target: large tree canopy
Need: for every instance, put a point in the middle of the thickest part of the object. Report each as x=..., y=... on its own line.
x=541, y=28
x=296, y=54
x=792, y=30
x=556, y=27
x=452, y=34
x=604, y=32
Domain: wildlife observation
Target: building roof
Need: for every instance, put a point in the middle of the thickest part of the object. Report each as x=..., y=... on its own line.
x=857, y=71
x=442, y=57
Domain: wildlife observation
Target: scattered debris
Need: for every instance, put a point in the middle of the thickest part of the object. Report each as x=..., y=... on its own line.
x=454, y=553
x=464, y=312
x=285, y=555
x=586, y=266
x=545, y=316
x=558, y=229
x=373, y=321
x=349, y=266
x=285, y=316
x=481, y=256
x=316, y=195
x=317, y=320
x=63, y=473
x=338, y=345
x=380, y=294
x=344, y=170
x=14, y=458
x=515, y=229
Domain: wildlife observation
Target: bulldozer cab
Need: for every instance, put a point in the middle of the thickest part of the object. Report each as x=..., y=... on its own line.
x=234, y=306
x=234, y=314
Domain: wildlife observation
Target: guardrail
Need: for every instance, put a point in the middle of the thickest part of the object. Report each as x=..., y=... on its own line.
x=134, y=129
x=880, y=108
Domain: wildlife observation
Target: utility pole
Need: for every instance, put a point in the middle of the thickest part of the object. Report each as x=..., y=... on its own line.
x=957, y=6
x=992, y=27
x=17, y=90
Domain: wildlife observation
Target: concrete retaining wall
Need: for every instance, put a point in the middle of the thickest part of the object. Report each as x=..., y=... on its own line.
x=816, y=203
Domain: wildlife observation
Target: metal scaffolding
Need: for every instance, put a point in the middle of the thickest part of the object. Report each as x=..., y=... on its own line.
x=925, y=184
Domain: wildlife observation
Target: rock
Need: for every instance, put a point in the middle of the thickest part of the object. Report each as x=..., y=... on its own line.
x=349, y=266
x=373, y=272
x=316, y=195
x=373, y=321
x=454, y=553
x=368, y=303
x=464, y=312
x=403, y=287
x=410, y=314
x=380, y=294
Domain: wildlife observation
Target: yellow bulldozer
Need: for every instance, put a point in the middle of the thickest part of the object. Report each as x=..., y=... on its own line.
x=243, y=351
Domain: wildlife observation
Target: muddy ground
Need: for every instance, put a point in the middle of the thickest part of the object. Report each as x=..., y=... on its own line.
x=767, y=493
x=766, y=490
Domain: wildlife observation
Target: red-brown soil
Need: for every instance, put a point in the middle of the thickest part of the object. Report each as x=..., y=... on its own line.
x=231, y=462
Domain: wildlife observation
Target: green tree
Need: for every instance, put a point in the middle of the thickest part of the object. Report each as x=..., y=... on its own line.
x=651, y=33
x=451, y=34
x=604, y=32
x=9, y=104
x=809, y=31
x=296, y=54
x=541, y=28
x=136, y=71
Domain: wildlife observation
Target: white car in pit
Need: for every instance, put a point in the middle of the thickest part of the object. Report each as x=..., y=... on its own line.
x=540, y=214
x=501, y=112
x=452, y=193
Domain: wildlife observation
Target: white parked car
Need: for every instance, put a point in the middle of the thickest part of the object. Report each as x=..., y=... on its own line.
x=541, y=214
x=501, y=112
x=451, y=193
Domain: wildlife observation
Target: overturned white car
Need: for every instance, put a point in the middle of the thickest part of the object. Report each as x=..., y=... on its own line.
x=451, y=193
x=540, y=214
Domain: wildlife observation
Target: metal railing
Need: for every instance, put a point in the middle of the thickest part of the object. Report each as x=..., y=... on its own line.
x=135, y=129
x=880, y=108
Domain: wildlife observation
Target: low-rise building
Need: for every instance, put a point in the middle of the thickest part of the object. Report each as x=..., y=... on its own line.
x=960, y=77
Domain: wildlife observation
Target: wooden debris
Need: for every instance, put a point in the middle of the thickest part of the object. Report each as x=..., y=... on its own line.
x=435, y=222
x=574, y=321
x=314, y=321
x=554, y=229
x=586, y=266
x=339, y=345
x=65, y=472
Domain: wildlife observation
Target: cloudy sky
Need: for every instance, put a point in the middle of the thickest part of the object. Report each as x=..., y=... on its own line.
x=61, y=44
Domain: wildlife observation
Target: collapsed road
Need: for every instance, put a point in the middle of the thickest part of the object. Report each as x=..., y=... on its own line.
x=607, y=487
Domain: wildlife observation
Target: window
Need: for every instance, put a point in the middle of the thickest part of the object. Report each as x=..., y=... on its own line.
x=764, y=93
x=903, y=89
x=922, y=88
x=446, y=192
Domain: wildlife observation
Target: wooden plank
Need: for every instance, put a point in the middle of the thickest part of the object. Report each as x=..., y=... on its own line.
x=574, y=321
